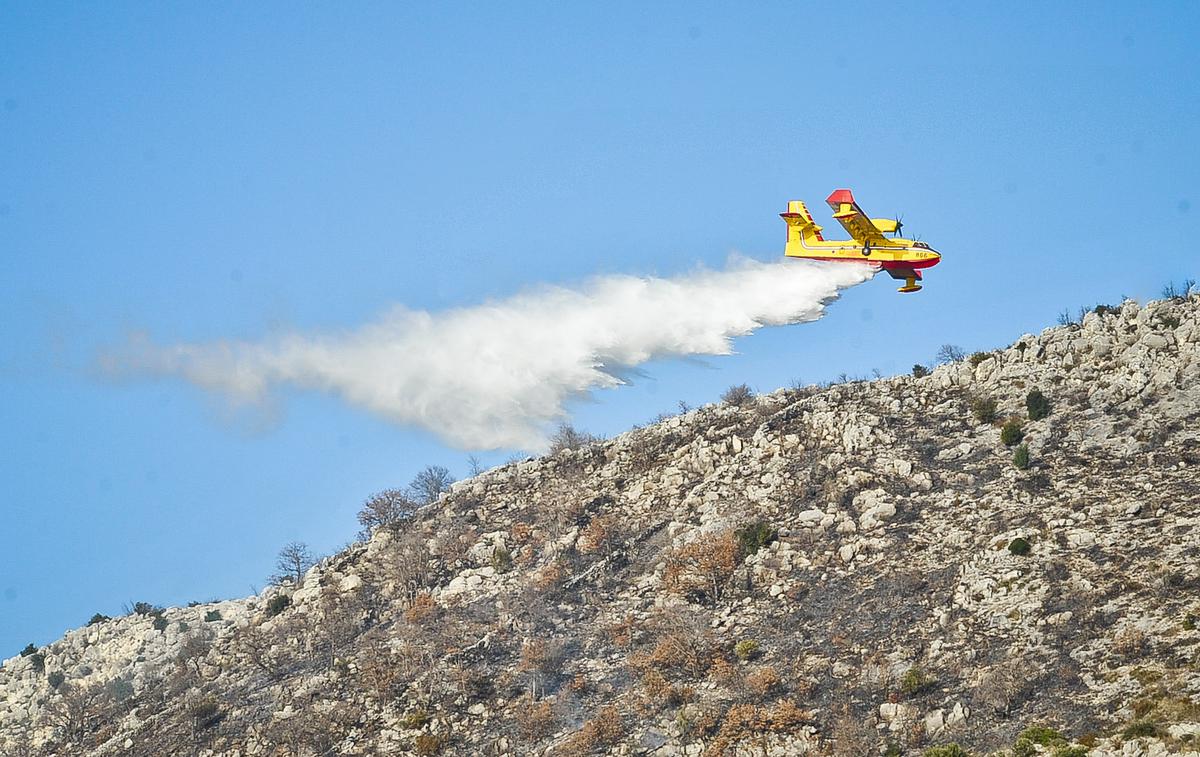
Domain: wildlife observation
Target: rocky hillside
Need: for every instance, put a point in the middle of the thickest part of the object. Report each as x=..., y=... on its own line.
x=885, y=567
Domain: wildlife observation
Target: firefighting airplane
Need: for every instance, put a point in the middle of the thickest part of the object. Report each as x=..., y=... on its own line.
x=901, y=258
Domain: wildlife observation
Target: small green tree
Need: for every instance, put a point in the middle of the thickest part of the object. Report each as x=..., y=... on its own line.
x=1019, y=547
x=948, y=750
x=919, y=371
x=98, y=618
x=753, y=537
x=1021, y=457
x=1011, y=432
x=1037, y=405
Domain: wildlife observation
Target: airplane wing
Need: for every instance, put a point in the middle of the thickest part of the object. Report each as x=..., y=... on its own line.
x=853, y=219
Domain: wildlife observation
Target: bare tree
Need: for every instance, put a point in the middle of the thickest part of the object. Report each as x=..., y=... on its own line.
x=737, y=395
x=568, y=437
x=474, y=466
x=949, y=353
x=430, y=484
x=384, y=509
x=410, y=568
x=293, y=562
x=78, y=710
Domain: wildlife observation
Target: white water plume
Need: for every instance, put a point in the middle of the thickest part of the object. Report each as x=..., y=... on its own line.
x=497, y=375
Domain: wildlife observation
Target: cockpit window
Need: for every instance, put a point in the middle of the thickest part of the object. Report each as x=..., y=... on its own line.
x=922, y=245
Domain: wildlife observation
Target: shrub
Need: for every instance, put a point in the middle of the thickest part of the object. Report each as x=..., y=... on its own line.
x=984, y=409
x=1042, y=735
x=144, y=608
x=915, y=680
x=978, y=357
x=501, y=559
x=1144, y=728
x=1037, y=404
x=35, y=657
x=414, y=719
x=429, y=743
x=1019, y=547
x=56, y=679
x=204, y=710
x=212, y=616
x=949, y=750
x=919, y=371
x=1021, y=457
x=753, y=537
x=159, y=624
x=1024, y=748
x=737, y=395
x=893, y=750
x=98, y=618
x=1070, y=751
x=1011, y=432
x=278, y=604
x=746, y=649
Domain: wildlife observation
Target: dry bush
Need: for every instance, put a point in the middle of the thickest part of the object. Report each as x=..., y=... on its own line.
x=681, y=643
x=1002, y=686
x=853, y=736
x=378, y=672
x=521, y=532
x=604, y=730
x=535, y=720
x=763, y=680
x=1130, y=641
x=422, y=608
x=703, y=566
x=621, y=632
x=541, y=662
x=549, y=579
x=429, y=743
x=599, y=536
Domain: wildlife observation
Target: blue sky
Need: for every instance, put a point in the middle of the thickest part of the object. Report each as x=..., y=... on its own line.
x=206, y=171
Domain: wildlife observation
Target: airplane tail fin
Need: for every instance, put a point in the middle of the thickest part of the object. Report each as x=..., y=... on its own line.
x=800, y=228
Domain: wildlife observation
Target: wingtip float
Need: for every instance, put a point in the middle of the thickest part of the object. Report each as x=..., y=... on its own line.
x=902, y=258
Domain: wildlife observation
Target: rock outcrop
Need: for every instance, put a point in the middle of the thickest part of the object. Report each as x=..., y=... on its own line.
x=855, y=569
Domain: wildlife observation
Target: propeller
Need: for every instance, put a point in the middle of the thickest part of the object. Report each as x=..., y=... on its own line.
x=899, y=225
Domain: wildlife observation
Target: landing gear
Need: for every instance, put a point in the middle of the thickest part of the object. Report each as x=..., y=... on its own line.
x=866, y=249
x=910, y=285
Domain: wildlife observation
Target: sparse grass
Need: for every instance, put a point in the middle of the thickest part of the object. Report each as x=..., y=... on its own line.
x=947, y=750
